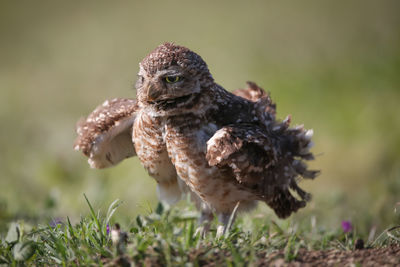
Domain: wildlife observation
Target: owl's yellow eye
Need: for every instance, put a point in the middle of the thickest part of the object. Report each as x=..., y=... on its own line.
x=173, y=79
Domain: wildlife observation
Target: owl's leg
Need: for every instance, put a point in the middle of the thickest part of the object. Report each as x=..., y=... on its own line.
x=223, y=219
x=226, y=220
x=205, y=219
x=206, y=216
x=168, y=192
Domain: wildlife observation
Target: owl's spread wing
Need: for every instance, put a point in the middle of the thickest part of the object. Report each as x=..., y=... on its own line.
x=267, y=162
x=105, y=136
x=254, y=93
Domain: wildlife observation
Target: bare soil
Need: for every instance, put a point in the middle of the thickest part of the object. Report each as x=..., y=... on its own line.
x=389, y=256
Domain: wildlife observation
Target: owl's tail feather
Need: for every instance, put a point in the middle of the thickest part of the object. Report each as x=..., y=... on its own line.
x=292, y=146
x=268, y=159
x=284, y=203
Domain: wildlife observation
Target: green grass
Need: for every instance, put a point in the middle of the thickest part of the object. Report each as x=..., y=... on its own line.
x=167, y=236
x=333, y=66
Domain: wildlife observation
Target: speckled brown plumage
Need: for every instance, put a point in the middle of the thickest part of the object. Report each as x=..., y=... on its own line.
x=105, y=135
x=193, y=136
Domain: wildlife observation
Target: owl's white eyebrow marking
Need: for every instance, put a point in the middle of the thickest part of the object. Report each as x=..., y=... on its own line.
x=170, y=71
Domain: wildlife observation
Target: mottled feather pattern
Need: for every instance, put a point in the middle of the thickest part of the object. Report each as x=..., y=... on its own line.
x=193, y=135
x=267, y=158
x=104, y=117
x=105, y=134
x=264, y=162
x=266, y=109
x=169, y=54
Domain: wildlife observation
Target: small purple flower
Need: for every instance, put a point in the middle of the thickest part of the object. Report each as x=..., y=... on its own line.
x=108, y=229
x=346, y=226
x=55, y=221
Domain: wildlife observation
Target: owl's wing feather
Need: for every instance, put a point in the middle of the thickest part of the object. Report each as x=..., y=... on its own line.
x=105, y=136
x=254, y=93
x=267, y=162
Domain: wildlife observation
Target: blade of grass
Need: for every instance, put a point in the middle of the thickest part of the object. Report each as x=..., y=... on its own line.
x=111, y=210
x=71, y=229
x=96, y=220
x=189, y=235
x=231, y=219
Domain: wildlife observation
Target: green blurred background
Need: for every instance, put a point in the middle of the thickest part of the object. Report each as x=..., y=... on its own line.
x=333, y=65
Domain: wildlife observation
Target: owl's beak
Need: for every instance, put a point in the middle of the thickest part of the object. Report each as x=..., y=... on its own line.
x=153, y=93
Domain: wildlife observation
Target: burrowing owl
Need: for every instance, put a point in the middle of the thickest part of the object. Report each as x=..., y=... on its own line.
x=193, y=136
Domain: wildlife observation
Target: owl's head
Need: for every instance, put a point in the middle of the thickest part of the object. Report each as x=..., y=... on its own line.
x=171, y=78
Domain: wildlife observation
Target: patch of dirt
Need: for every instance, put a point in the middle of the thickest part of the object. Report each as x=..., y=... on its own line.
x=389, y=256
x=386, y=256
